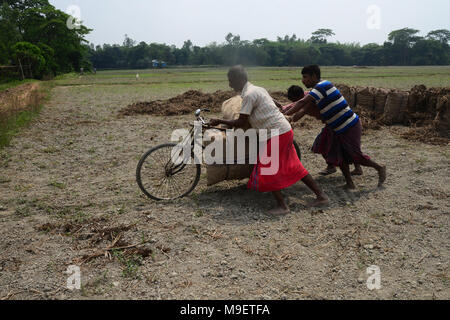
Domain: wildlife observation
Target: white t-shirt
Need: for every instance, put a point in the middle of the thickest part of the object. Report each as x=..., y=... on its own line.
x=262, y=111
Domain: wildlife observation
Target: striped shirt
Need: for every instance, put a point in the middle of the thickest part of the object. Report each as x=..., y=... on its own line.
x=262, y=111
x=333, y=107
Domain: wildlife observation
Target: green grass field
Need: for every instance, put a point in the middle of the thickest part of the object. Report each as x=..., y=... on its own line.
x=211, y=79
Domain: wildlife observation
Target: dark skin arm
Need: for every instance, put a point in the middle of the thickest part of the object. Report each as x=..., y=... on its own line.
x=238, y=123
x=306, y=109
x=308, y=99
x=277, y=104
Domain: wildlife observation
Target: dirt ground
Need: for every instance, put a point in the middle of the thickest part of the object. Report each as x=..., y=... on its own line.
x=187, y=103
x=68, y=195
x=17, y=96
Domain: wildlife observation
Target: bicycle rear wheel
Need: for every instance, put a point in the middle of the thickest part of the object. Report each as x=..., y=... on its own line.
x=159, y=178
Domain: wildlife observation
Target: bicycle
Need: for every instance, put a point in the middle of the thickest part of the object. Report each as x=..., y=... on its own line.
x=161, y=178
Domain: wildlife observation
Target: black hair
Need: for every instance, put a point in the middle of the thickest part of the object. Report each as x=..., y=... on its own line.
x=312, y=70
x=295, y=93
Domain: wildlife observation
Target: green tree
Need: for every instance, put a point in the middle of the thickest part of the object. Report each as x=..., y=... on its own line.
x=128, y=42
x=441, y=35
x=321, y=35
x=39, y=23
x=50, y=66
x=430, y=52
x=402, y=41
x=404, y=47
x=371, y=54
x=27, y=54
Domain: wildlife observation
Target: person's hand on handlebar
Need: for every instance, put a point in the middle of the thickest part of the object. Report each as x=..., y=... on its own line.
x=214, y=122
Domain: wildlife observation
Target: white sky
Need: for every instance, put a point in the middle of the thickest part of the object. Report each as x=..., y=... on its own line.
x=207, y=21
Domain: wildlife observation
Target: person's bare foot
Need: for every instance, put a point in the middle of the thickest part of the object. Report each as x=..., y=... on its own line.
x=349, y=187
x=357, y=172
x=382, y=176
x=279, y=211
x=329, y=170
x=319, y=202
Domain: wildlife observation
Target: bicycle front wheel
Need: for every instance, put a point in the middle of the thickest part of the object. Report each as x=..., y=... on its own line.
x=161, y=178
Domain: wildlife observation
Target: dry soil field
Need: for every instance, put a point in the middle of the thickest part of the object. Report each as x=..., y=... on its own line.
x=68, y=196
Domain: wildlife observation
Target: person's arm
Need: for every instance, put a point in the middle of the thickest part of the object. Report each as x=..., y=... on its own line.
x=306, y=109
x=300, y=105
x=285, y=108
x=277, y=104
x=238, y=123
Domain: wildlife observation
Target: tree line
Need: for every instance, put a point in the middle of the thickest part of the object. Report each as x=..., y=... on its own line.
x=403, y=48
x=35, y=34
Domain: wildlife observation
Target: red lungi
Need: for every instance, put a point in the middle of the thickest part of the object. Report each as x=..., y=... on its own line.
x=290, y=169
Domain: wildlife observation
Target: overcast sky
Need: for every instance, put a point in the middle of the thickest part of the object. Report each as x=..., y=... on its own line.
x=207, y=21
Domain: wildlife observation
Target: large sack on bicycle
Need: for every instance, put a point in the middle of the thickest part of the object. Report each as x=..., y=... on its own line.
x=231, y=109
x=220, y=172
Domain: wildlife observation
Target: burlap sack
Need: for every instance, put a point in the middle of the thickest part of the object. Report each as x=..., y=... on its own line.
x=380, y=100
x=215, y=174
x=418, y=99
x=365, y=98
x=349, y=94
x=220, y=172
x=442, y=120
x=396, y=107
x=231, y=109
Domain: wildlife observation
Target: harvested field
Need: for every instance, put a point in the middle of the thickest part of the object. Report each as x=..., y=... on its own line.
x=68, y=196
x=186, y=103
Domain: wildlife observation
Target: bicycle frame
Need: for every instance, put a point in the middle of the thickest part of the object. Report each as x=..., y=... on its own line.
x=188, y=139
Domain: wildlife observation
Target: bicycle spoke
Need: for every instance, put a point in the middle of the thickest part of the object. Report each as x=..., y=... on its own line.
x=156, y=173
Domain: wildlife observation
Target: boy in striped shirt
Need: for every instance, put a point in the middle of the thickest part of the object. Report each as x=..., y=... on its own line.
x=344, y=145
